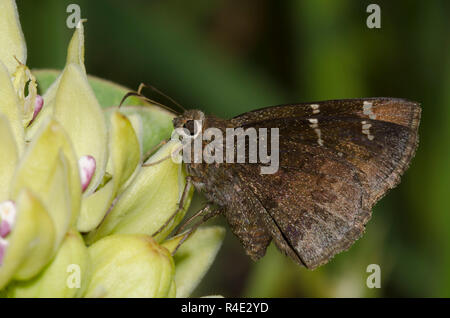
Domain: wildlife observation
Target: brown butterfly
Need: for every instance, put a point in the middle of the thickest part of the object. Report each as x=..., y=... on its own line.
x=337, y=158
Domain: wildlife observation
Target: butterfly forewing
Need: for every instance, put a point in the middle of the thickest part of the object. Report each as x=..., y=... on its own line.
x=378, y=136
x=336, y=160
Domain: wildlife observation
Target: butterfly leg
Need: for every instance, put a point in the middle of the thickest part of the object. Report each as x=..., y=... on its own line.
x=180, y=207
x=207, y=212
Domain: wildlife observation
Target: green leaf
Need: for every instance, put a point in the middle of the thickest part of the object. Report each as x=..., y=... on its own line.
x=45, y=78
x=194, y=257
x=156, y=123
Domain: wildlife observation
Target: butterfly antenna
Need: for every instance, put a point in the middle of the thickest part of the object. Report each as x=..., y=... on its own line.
x=148, y=100
x=153, y=88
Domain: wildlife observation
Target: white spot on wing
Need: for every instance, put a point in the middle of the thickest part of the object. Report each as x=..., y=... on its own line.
x=314, y=124
x=366, y=129
x=315, y=108
x=367, y=110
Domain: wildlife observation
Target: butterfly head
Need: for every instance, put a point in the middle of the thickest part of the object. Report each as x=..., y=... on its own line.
x=189, y=120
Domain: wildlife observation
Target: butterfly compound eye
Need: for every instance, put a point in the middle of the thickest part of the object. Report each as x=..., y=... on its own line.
x=190, y=125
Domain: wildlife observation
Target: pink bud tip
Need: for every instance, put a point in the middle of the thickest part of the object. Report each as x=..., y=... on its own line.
x=7, y=217
x=5, y=228
x=38, y=104
x=87, y=166
x=3, y=246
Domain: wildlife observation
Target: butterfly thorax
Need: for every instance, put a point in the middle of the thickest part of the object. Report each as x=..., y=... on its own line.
x=207, y=178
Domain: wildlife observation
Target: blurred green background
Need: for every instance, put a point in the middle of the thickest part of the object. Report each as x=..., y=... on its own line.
x=227, y=57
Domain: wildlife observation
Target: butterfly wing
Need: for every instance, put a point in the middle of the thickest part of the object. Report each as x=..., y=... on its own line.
x=337, y=159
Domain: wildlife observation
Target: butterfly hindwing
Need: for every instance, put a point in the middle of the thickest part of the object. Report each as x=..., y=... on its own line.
x=334, y=166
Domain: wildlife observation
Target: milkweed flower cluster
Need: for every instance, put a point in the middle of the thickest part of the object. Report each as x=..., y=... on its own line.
x=77, y=207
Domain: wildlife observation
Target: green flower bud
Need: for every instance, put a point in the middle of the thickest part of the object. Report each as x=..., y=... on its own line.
x=9, y=157
x=128, y=265
x=38, y=104
x=63, y=167
x=10, y=107
x=65, y=277
x=8, y=215
x=12, y=43
x=146, y=204
x=124, y=147
x=75, y=99
x=31, y=240
x=87, y=166
x=7, y=218
x=31, y=104
x=75, y=55
x=49, y=168
x=124, y=152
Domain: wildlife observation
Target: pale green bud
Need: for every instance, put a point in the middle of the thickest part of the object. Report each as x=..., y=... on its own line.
x=126, y=265
x=150, y=200
x=66, y=276
x=30, y=242
x=12, y=43
x=124, y=160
